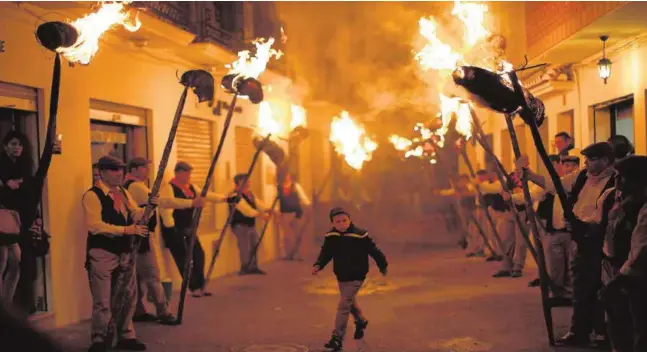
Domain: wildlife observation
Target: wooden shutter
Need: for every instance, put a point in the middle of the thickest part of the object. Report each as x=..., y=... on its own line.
x=195, y=146
x=244, y=154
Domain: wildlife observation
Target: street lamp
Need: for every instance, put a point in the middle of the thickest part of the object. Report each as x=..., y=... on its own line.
x=604, y=65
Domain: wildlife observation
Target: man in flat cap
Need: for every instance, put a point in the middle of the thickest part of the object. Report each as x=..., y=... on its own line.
x=111, y=215
x=556, y=239
x=177, y=220
x=570, y=163
x=585, y=188
x=148, y=277
x=624, y=267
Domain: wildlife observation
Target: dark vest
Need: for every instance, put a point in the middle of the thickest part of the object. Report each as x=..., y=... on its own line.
x=468, y=202
x=289, y=203
x=545, y=211
x=118, y=244
x=239, y=218
x=183, y=217
x=152, y=223
x=496, y=202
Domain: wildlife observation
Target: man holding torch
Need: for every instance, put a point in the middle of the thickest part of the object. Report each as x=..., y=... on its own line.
x=111, y=215
x=556, y=237
x=292, y=200
x=148, y=278
x=243, y=224
x=585, y=189
x=176, y=223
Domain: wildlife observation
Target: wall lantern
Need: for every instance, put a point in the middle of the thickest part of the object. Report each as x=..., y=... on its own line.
x=604, y=65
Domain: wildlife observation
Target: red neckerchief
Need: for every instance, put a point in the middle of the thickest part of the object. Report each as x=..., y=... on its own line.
x=117, y=199
x=287, y=190
x=186, y=188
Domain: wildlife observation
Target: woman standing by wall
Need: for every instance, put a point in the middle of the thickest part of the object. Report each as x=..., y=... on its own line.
x=16, y=168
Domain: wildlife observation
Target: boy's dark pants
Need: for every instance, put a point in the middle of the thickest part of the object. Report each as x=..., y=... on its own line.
x=347, y=305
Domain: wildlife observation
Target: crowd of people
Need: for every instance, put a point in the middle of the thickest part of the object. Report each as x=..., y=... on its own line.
x=113, y=208
x=597, y=260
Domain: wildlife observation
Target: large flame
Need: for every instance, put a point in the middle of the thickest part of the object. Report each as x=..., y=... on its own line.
x=252, y=67
x=298, y=117
x=93, y=25
x=400, y=143
x=435, y=54
x=350, y=140
x=266, y=122
x=450, y=107
x=472, y=15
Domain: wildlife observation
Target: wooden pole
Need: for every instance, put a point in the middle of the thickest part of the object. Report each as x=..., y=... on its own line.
x=125, y=277
x=221, y=237
x=543, y=278
x=195, y=220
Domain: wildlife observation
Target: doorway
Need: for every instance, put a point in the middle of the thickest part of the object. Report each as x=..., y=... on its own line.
x=35, y=269
x=119, y=131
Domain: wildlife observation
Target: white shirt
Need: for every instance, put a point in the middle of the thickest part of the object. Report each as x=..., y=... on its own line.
x=92, y=208
x=168, y=201
x=589, y=197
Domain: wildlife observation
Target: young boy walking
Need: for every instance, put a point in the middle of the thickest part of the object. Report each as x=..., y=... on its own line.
x=349, y=247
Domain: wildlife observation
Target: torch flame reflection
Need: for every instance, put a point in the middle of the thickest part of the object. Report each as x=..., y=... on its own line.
x=350, y=140
x=93, y=25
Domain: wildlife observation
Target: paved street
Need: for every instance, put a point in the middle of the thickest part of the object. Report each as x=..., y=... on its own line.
x=433, y=300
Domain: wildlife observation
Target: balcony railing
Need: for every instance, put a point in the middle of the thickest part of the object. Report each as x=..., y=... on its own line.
x=175, y=12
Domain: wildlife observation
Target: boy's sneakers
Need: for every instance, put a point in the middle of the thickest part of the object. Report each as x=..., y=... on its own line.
x=334, y=344
x=360, y=325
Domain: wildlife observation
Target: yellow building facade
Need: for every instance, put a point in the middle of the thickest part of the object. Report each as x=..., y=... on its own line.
x=123, y=102
x=566, y=36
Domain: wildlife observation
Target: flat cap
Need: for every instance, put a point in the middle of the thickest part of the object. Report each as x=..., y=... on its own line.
x=137, y=162
x=337, y=211
x=109, y=162
x=598, y=150
x=633, y=167
x=570, y=159
x=183, y=166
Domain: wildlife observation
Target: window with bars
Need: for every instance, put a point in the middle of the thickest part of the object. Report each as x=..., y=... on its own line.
x=195, y=145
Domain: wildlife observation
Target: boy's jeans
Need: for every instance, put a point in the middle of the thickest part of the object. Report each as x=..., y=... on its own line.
x=347, y=304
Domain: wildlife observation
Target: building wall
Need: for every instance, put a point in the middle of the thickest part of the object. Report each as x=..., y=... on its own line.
x=627, y=77
x=113, y=76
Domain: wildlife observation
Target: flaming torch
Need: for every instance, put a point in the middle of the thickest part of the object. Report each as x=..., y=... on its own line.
x=68, y=39
x=242, y=80
x=202, y=84
x=503, y=93
x=298, y=133
x=351, y=141
x=453, y=109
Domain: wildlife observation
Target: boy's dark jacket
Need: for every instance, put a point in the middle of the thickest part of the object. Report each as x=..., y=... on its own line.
x=350, y=250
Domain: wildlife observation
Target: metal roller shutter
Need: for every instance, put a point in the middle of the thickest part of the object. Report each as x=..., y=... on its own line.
x=195, y=145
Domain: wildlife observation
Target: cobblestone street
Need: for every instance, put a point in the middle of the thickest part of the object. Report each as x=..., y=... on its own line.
x=432, y=300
